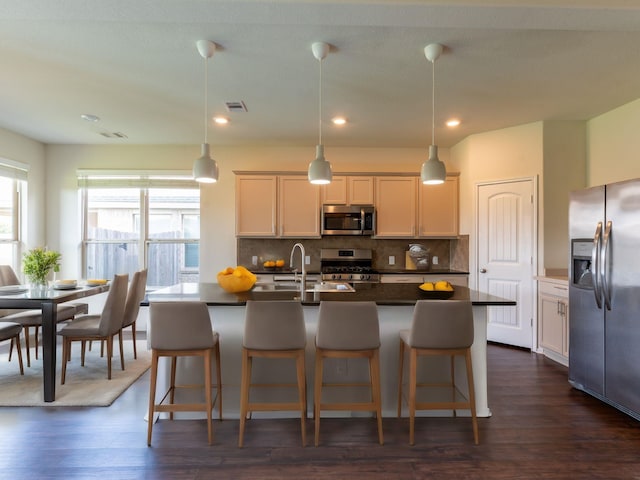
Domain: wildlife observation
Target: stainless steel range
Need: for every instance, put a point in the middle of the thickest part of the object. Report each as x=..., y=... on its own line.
x=351, y=265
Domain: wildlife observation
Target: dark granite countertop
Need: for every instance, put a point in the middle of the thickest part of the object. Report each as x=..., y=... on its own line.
x=381, y=293
x=432, y=271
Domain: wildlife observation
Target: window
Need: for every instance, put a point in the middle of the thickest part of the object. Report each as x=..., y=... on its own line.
x=13, y=187
x=148, y=221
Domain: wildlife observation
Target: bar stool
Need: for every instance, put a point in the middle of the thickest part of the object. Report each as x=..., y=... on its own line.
x=348, y=330
x=11, y=331
x=183, y=329
x=273, y=329
x=439, y=328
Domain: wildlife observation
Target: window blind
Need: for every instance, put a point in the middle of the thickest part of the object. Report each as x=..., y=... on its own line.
x=136, y=179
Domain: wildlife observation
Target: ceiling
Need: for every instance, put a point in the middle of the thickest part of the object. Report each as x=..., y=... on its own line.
x=135, y=65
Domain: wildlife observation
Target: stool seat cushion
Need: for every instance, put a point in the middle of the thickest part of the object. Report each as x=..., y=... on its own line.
x=167, y=332
x=348, y=326
x=441, y=324
x=274, y=325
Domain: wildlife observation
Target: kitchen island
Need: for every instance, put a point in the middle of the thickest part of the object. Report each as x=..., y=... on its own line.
x=395, y=307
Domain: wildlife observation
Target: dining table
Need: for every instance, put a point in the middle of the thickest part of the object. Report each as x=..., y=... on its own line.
x=46, y=299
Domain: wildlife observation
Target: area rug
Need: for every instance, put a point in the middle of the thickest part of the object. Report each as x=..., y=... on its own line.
x=84, y=386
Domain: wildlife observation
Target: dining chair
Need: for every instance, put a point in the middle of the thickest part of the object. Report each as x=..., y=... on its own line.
x=135, y=295
x=445, y=328
x=273, y=329
x=97, y=327
x=11, y=331
x=33, y=317
x=183, y=329
x=348, y=330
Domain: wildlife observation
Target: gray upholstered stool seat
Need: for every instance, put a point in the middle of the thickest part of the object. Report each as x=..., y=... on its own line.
x=348, y=330
x=439, y=327
x=11, y=331
x=273, y=329
x=181, y=329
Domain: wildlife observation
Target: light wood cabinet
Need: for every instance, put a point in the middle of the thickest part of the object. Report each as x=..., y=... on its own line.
x=256, y=205
x=438, y=208
x=553, y=319
x=395, y=202
x=298, y=207
x=277, y=206
x=349, y=190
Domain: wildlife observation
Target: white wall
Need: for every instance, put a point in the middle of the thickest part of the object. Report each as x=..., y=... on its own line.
x=25, y=150
x=515, y=152
x=613, y=145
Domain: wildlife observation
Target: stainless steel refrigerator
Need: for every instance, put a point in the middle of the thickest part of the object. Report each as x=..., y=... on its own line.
x=604, y=294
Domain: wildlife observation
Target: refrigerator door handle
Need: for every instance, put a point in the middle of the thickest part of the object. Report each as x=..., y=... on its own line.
x=595, y=265
x=605, y=271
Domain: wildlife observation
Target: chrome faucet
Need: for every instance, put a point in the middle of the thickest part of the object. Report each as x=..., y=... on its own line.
x=303, y=283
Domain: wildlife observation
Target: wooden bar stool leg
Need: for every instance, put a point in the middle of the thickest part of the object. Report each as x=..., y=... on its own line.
x=374, y=366
x=152, y=394
x=244, y=393
x=472, y=396
x=413, y=361
x=400, y=374
x=172, y=386
x=207, y=394
x=302, y=395
x=317, y=394
x=219, y=380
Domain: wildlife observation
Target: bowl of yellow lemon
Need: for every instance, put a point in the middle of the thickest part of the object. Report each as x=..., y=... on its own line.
x=440, y=290
x=235, y=280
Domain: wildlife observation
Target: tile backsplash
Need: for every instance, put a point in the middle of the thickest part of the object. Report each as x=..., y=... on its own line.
x=453, y=254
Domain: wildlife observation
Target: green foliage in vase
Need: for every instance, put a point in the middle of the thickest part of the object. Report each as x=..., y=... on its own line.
x=38, y=262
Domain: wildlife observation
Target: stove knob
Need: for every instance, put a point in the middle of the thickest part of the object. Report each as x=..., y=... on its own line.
x=350, y=277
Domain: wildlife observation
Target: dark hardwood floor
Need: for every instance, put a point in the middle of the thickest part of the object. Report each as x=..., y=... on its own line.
x=541, y=428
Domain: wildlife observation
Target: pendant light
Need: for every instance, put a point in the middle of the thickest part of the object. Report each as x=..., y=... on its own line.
x=320, y=169
x=205, y=168
x=433, y=171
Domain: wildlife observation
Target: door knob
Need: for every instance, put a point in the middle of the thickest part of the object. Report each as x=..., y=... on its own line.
x=483, y=270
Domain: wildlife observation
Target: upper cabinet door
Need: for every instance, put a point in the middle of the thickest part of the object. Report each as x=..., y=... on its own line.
x=256, y=205
x=299, y=207
x=360, y=190
x=335, y=193
x=396, y=206
x=438, y=209
x=348, y=190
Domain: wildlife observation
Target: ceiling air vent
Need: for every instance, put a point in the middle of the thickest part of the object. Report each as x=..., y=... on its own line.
x=233, y=107
x=113, y=135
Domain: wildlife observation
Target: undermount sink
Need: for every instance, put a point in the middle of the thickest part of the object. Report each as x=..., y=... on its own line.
x=295, y=287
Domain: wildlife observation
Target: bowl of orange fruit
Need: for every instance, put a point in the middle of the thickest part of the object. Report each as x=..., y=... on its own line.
x=273, y=264
x=237, y=279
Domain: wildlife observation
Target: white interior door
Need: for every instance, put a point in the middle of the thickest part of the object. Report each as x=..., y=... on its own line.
x=506, y=239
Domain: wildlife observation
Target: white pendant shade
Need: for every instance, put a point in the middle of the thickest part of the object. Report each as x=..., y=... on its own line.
x=320, y=169
x=433, y=171
x=205, y=168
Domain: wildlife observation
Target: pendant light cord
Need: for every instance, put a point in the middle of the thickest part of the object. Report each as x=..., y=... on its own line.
x=320, y=104
x=433, y=102
x=206, y=101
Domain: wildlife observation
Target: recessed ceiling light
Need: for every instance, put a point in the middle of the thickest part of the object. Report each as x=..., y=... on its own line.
x=339, y=121
x=454, y=122
x=221, y=120
x=90, y=118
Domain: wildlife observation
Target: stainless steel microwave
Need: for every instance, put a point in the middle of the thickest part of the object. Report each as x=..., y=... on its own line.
x=348, y=220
